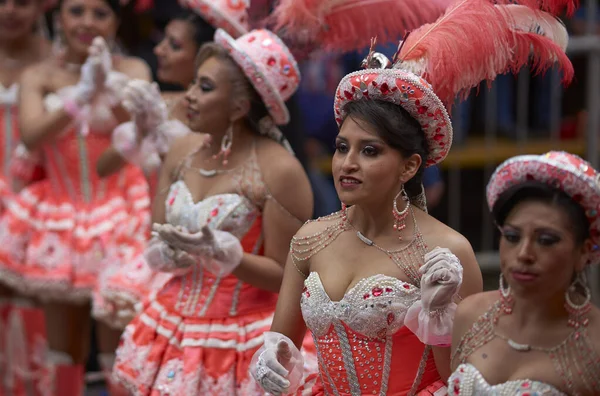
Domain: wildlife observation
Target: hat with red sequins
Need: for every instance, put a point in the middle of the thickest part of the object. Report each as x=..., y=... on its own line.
x=405, y=89
x=229, y=15
x=564, y=171
x=268, y=64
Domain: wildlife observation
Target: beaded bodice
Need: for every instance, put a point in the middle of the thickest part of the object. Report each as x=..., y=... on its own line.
x=574, y=359
x=468, y=381
x=374, y=307
x=360, y=338
x=233, y=213
x=70, y=159
x=199, y=292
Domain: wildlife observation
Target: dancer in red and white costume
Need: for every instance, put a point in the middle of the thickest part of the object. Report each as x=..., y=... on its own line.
x=379, y=292
x=229, y=201
x=59, y=232
x=160, y=119
x=21, y=44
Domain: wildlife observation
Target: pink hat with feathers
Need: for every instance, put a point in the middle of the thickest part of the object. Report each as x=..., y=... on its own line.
x=473, y=41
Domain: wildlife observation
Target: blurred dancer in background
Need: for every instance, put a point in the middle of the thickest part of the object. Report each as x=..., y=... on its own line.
x=22, y=43
x=60, y=232
x=158, y=119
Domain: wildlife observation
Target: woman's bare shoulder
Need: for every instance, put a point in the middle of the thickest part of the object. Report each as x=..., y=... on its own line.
x=134, y=68
x=475, y=305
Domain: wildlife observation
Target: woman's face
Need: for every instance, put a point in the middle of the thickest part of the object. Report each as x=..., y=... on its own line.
x=176, y=54
x=83, y=20
x=538, y=250
x=209, y=98
x=365, y=168
x=18, y=18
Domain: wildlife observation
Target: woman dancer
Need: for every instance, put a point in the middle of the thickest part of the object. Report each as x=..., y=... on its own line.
x=21, y=44
x=541, y=319
x=156, y=115
x=158, y=120
x=61, y=230
x=224, y=215
x=376, y=291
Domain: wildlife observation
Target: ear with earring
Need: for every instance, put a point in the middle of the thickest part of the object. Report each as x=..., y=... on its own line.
x=505, y=297
x=226, y=144
x=400, y=216
x=578, y=311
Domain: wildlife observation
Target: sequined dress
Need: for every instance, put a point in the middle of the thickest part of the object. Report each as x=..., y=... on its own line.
x=363, y=347
x=573, y=358
x=57, y=235
x=197, y=334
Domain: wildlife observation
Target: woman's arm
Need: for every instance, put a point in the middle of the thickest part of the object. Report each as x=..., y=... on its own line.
x=472, y=283
x=291, y=204
x=109, y=162
x=36, y=125
x=288, y=316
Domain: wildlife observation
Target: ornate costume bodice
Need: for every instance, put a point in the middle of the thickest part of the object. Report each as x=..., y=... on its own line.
x=70, y=159
x=361, y=340
x=574, y=359
x=375, y=307
x=468, y=381
x=199, y=292
x=233, y=213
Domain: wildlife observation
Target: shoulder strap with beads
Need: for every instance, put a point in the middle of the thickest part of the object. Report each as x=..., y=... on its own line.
x=303, y=248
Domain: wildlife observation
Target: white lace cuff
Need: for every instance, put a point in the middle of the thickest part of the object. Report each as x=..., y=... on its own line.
x=431, y=327
x=160, y=257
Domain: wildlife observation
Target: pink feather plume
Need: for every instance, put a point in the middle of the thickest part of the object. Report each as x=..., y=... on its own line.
x=343, y=24
x=540, y=40
x=554, y=7
x=475, y=41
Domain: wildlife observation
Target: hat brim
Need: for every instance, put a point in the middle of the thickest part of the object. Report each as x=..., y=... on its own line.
x=268, y=92
x=410, y=92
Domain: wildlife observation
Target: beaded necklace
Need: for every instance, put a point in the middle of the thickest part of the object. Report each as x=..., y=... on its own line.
x=574, y=357
x=408, y=258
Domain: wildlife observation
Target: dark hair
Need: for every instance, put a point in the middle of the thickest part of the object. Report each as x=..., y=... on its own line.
x=241, y=84
x=398, y=129
x=114, y=5
x=204, y=32
x=541, y=192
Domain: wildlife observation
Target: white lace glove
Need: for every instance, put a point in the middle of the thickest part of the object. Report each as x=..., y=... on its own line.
x=278, y=365
x=161, y=257
x=432, y=318
x=94, y=72
x=220, y=252
x=143, y=100
x=134, y=149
